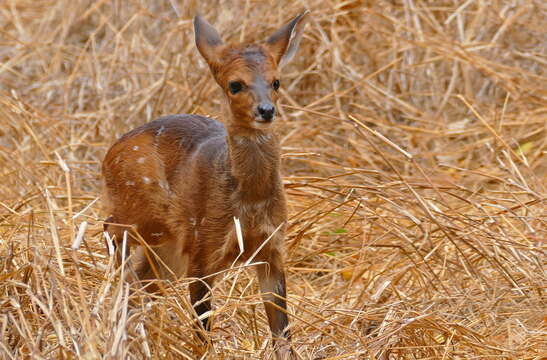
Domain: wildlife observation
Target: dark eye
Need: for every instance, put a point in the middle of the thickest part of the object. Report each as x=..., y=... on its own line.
x=235, y=86
x=275, y=85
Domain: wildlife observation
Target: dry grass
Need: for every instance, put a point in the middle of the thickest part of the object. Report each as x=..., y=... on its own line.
x=414, y=138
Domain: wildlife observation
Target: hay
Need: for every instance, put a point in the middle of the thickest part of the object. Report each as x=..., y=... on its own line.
x=414, y=158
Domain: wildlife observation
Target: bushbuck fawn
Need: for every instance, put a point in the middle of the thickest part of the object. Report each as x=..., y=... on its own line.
x=179, y=181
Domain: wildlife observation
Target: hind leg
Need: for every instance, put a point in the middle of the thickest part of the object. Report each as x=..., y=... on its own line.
x=138, y=267
x=143, y=269
x=162, y=262
x=116, y=235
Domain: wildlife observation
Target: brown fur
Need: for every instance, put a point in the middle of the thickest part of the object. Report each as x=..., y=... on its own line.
x=179, y=181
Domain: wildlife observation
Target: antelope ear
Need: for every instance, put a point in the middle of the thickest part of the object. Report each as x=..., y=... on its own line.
x=207, y=40
x=284, y=42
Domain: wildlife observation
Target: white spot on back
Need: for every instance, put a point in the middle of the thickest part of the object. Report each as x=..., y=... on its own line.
x=146, y=180
x=129, y=183
x=135, y=148
x=157, y=234
x=164, y=185
x=160, y=131
x=141, y=160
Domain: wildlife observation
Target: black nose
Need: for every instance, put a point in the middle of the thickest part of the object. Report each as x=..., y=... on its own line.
x=266, y=111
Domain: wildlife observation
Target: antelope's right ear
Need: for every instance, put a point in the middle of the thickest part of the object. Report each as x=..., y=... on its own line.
x=207, y=40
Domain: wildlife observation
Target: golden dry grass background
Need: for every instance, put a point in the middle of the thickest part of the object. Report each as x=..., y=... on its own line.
x=414, y=159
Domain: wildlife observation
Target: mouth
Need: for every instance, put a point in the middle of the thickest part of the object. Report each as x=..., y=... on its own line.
x=262, y=123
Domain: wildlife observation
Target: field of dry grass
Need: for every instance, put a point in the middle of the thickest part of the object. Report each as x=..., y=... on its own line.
x=414, y=143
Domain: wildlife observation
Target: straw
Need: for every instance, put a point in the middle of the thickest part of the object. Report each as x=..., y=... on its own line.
x=413, y=139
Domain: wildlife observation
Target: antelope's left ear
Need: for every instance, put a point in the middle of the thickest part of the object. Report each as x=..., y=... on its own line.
x=284, y=42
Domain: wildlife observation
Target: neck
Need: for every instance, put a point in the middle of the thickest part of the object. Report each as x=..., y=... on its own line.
x=254, y=162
